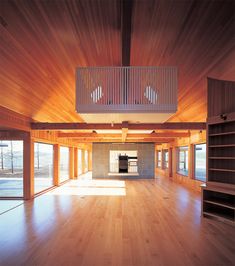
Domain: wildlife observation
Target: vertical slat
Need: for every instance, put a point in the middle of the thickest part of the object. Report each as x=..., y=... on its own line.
x=128, y=87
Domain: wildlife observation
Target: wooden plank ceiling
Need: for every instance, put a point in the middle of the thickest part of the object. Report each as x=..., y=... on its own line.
x=42, y=42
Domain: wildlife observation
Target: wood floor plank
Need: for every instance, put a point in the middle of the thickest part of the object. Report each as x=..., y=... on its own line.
x=156, y=222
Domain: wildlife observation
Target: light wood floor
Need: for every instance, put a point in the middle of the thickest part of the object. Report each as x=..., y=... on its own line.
x=157, y=222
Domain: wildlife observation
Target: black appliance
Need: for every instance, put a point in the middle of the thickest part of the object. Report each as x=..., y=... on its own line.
x=123, y=163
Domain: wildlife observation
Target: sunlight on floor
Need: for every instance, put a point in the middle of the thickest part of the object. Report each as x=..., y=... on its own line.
x=6, y=205
x=97, y=183
x=85, y=186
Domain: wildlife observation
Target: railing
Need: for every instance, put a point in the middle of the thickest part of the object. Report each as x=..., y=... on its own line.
x=126, y=89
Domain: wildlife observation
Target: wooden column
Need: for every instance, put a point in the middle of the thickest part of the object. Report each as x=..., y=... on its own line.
x=28, y=166
x=89, y=160
x=56, y=164
x=170, y=163
x=75, y=163
x=71, y=162
x=191, y=161
x=175, y=160
x=162, y=158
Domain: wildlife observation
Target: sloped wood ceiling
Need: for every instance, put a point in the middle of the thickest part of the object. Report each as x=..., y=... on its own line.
x=42, y=42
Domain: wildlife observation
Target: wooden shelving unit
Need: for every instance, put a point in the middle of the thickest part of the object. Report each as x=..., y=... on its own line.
x=218, y=196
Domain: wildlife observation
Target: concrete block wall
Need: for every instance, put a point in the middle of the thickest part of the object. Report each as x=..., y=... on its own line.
x=146, y=158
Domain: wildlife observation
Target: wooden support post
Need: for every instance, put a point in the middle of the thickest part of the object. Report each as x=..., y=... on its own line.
x=162, y=158
x=75, y=163
x=56, y=164
x=71, y=162
x=170, y=162
x=175, y=161
x=28, y=166
x=191, y=161
x=89, y=160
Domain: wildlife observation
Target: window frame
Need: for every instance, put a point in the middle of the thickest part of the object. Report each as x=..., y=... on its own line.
x=165, y=162
x=53, y=162
x=185, y=162
x=13, y=138
x=159, y=160
x=64, y=180
x=194, y=161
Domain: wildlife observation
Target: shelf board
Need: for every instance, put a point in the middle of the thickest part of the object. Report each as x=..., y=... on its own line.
x=222, y=158
x=220, y=187
x=221, y=203
x=219, y=215
x=222, y=145
x=222, y=170
x=222, y=134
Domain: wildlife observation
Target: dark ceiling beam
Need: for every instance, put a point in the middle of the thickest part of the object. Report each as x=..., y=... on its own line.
x=152, y=126
x=156, y=141
x=78, y=135
x=126, y=18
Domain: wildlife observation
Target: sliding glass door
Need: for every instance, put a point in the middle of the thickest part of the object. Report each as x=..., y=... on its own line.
x=43, y=166
x=64, y=164
x=11, y=168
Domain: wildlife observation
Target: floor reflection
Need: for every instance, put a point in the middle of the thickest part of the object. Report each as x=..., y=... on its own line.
x=92, y=188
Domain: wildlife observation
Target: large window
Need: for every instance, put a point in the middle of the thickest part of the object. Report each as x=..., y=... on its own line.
x=79, y=162
x=86, y=160
x=11, y=168
x=43, y=166
x=165, y=159
x=159, y=159
x=64, y=164
x=200, y=162
x=183, y=160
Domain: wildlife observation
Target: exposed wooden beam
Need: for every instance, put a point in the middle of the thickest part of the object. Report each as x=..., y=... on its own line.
x=124, y=134
x=124, y=130
x=117, y=136
x=13, y=120
x=158, y=141
x=153, y=126
x=126, y=15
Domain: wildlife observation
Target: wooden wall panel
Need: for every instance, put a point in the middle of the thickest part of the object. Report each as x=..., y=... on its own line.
x=221, y=97
x=196, y=137
x=43, y=42
x=195, y=36
x=13, y=120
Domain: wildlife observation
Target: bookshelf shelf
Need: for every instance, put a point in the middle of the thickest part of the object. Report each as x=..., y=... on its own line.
x=218, y=196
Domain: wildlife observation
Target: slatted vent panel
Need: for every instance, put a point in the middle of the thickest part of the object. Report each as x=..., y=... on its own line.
x=126, y=89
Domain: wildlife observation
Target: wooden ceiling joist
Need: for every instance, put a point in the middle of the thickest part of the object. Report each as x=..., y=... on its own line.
x=129, y=136
x=154, y=126
x=157, y=141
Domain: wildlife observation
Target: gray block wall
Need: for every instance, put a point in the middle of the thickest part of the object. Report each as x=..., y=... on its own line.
x=146, y=158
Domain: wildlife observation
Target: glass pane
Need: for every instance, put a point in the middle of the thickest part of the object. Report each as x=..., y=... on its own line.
x=79, y=162
x=11, y=168
x=86, y=160
x=43, y=166
x=159, y=158
x=64, y=164
x=166, y=159
x=183, y=160
x=200, y=162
